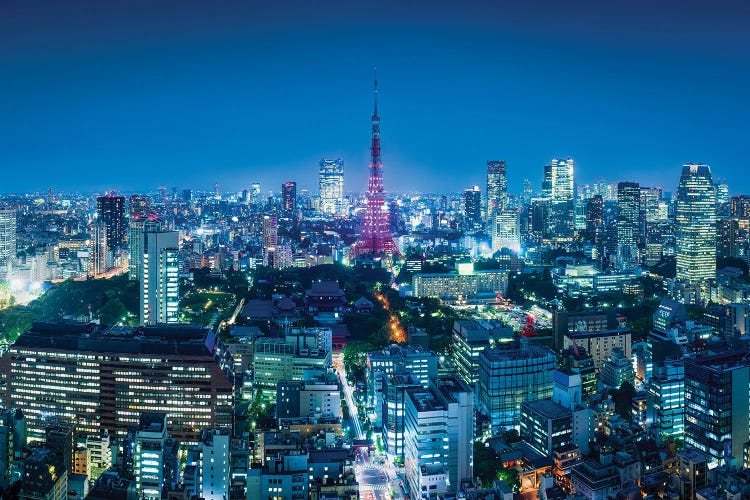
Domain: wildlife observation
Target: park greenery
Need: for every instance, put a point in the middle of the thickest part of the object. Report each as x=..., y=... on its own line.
x=112, y=300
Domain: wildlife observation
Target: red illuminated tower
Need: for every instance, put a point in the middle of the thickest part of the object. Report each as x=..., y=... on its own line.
x=376, y=238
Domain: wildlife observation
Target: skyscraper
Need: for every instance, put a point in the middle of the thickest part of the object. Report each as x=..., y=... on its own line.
x=628, y=221
x=497, y=187
x=140, y=206
x=472, y=201
x=289, y=197
x=717, y=406
x=7, y=238
x=331, y=178
x=595, y=219
x=159, y=280
x=98, y=249
x=506, y=231
x=270, y=239
x=695, y=225
x=139, y=225
x=563, y=198
x=111, y=211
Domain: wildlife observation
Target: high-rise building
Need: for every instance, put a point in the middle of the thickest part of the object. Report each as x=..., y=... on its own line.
x=563, y=198
x=508, y=377
x=12, y=440
x=667, y=391
x=595, y=219
x=7, y=238
x=289, y=197
x=547, y=182
x=102, y=378
x=740, y=206
x=695, y=225
x=628, y=222
x=546, y=425
x=270, y=240
x=331, y=181
x=472, y=208
x=497, y=187
x=110, y=210
x=506, y=231
x=539, y=218
x=160, y=287
x=98, y=249
x=717, y=405
x=138, y=226
x=140, y=206
x=149, y=455
x=397, y=359
x=438, y=436
x=255, y=193
x=215, y=449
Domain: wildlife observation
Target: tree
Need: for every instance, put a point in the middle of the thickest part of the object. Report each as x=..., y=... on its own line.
x=355, y=357
x=486, y=464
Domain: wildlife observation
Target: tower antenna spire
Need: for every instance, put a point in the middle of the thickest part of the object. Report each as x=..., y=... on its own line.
x=375, y=90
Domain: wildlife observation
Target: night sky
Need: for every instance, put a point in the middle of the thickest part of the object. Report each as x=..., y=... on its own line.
x=134, y=95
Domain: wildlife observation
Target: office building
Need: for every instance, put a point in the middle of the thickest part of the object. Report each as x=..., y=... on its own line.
x=545, y=425
x=102, y=378
x=461, y=286
x=397, y=359
x=215, y=473
x=438, y=436
x=497, y=187
x=138, y=226
x=98, y=249
x=539, y=218
x=628, y=222
x=472, y=209
x=316, y=397
x=567, y=391
x=110, y=210
x=140, y=206
x=563, y=199
x=160, y=287
x=469, y=339
x=288, y=358
x=508, y=377
x=667, y=391
x=600, y=344
x=331, y=181
x=12, y=440
x=149, y=458
x=270, y=240
x=7, y=238
x=394, y=393
x=506, y=231
x=616, y=369
x=289, y=197
x=695, y=225
x=595, y=219
x=717, y=405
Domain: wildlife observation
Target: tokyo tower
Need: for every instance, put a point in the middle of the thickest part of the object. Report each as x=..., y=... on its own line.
x=376, y=238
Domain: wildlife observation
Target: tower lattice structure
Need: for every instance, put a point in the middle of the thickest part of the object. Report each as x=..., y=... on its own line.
x=376, y=238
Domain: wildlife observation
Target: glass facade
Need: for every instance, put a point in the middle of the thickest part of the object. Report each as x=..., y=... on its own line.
x=507, y=378
x=695, y=225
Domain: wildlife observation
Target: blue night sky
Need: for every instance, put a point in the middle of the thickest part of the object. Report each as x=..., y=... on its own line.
x=135, y=95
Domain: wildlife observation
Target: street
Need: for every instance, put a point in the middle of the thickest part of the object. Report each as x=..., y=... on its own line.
x=376, y=476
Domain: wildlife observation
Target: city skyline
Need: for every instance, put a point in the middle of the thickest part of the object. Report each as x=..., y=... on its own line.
x=127, y=102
